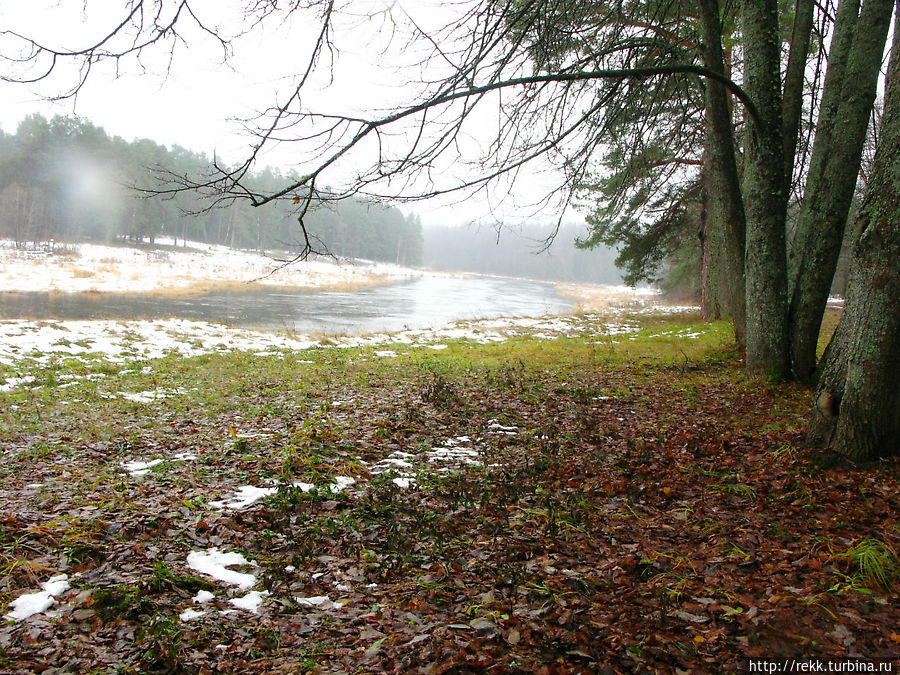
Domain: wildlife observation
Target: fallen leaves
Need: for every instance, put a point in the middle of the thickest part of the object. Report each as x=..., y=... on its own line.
x=555, y=520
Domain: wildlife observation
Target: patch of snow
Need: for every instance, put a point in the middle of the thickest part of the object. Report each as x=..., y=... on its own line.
x=190, y=614
x=16, y=382
x=454, y=455
x=138, y=468
x=151, y=395
x=341, y=483
x=250, y=602
x=394, y=461
x=123, y=341
x=39, y=601
x=494, y=425
x=313, y=601
x=244, y=496
x=203, y=596
x=215, y=563
x=318, y=601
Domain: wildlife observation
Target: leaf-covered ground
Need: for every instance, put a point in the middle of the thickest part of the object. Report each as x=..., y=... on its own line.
x=575, y=505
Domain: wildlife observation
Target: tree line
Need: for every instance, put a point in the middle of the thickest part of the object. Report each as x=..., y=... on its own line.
x=67, y=180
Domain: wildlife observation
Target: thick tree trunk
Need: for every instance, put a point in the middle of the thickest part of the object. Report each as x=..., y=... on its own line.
x=765, y=202
x=709, y=257
x=722, y=174
x=794, y=78
x=833, y=175
x=857, y=408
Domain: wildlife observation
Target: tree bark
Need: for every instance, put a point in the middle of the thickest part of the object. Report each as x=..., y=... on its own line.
x=794, y=78
x=833, y=174
x=765, y=201
x=722, y=174
x=857, y=406
x=708, y=235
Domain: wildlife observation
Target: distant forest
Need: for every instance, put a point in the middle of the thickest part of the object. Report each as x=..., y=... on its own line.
x=67, y=180
x=516, y=252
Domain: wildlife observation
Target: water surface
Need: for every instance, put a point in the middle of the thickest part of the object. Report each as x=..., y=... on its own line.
x=423, y=303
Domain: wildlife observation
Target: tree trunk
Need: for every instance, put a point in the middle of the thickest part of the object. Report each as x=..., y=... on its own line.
x=709, y=257
x=857, y=407
x=794, y=78
x=765, y=202
x=833, y=175
x=722, y=174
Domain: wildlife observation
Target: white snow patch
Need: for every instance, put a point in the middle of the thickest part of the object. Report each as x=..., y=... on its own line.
x=215, y=563
x=16, y=382
x=125, y=341
x=395, y=461
x=318, y=601
x=39, y=601
x=454, y=455
x=313, y=601
x=203, y=596
x=151, y=395
x=138, y=468
x=250, y=602
x=190, y=614
x=341, y=483
x=243, y=497
x=494, y=425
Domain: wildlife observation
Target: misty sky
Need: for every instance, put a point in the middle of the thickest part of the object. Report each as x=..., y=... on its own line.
x=197, y=103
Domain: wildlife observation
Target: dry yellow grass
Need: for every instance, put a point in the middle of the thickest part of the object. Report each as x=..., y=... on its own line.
x=591, y=298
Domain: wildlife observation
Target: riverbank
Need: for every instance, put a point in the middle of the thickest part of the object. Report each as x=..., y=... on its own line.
x=164, y=269
x=168, y=270
x=596, y=502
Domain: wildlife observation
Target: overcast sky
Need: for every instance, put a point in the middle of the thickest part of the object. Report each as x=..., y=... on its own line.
x=197, y=103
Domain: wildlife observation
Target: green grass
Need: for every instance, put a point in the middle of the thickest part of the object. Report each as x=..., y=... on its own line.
x=874, y=563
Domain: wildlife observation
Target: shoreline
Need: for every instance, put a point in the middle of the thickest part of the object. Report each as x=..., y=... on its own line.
x=163, y=271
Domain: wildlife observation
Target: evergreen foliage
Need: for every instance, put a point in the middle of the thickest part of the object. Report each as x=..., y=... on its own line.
x=66, y=179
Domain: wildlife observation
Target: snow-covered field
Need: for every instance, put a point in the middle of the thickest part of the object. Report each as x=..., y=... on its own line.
x=198, y=267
